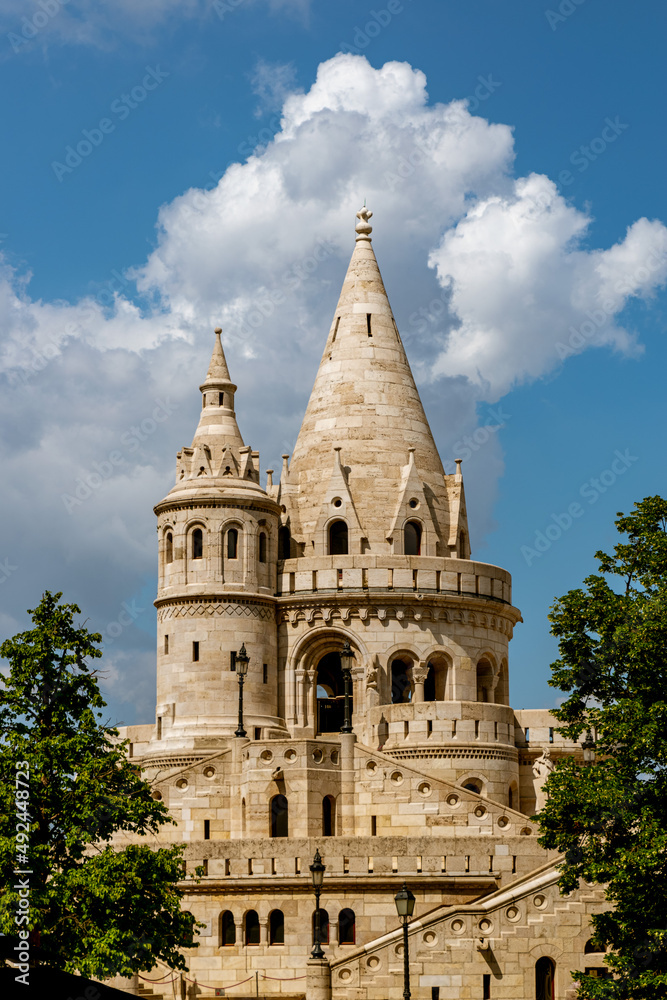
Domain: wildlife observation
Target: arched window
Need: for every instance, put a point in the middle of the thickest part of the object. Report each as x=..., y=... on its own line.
x=412, y=538
x=473, y=786
x=510, y=798
x=197, y=544
x=429, y=684
x=279, y=816
x=346, y=928
x=328, y=816
x=232, y=544
x=276, y=927
x=590, y=948
x=324, y=926
x=262, y=546
x=484, y=681
x=338, y=538
x=284, y=543
x=545, y=979
x=227, y=929
x=169, y=548
x=400, y=682
x=251, y=927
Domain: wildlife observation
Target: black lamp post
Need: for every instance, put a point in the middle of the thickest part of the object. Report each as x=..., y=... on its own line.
x=317, y=870
x=405, y=907
x=588, y=746
x=242, y=661
x=346, y=661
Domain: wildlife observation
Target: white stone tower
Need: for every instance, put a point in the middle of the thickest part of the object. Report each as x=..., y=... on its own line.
x=379, y=556
x=218, y=534
x=364, y=541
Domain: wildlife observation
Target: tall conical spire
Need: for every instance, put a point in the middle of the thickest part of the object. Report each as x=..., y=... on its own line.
x=365, y=401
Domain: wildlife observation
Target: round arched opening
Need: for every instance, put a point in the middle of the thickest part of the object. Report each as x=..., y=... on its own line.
x=330, y=694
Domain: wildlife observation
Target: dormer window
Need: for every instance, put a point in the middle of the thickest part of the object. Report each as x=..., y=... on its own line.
x=338, y=539
x=412, y=538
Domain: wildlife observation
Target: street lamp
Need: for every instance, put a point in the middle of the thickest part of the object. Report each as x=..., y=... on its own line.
x=317, y=870
x=242, y=661
x=346, y=661
x=588, y=746
x=405, y=907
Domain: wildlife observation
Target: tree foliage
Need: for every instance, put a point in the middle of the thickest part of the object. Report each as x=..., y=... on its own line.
x=609, y=818
x=96, y=908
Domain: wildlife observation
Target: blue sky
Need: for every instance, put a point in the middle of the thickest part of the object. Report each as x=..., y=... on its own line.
x=521, y=238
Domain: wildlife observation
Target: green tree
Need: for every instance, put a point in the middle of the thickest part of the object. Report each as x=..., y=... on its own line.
x=609, y=817
x=66, y=788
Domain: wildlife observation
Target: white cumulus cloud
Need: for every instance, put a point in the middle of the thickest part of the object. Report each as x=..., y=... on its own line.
x=487, y=273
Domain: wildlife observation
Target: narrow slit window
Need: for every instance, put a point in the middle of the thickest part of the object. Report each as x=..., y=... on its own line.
x=265, y=673
x=169, y=555
x=335, y=329
x=368, y=324
x=262, y=546
x=221, y=399
x=232, y=660
x=166, y=643
x=195, y=652
x=232, y=544
x=207, y=829
x=197, y=544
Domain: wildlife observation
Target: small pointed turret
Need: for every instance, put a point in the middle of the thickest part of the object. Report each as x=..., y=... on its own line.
x=218, y=458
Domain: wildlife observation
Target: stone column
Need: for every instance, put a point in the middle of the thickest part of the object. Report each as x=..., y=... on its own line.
x=310, y=690
x=347, y=783
x=419, y=675
x=318, y=979
x=300, y=700
x=263, y=931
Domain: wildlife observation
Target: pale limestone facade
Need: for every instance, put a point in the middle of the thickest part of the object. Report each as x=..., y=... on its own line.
x=363, y=540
